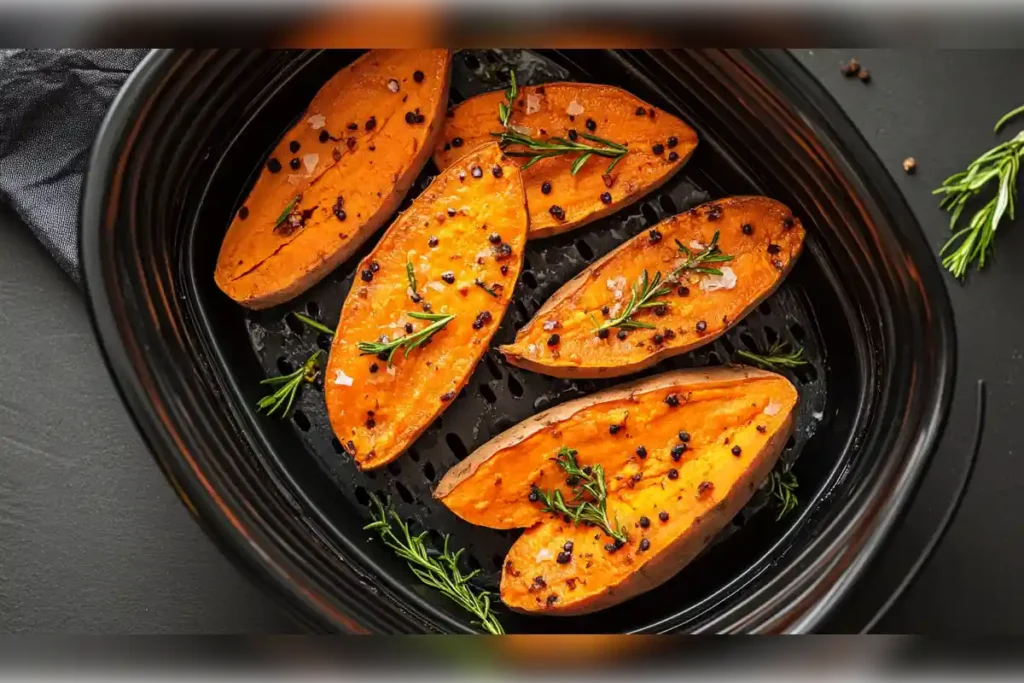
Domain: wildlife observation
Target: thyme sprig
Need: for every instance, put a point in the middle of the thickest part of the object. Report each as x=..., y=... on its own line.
x=287, y=386
x=972, y=244
x=553, y=146
x=778, y=356
x=645, y=293
x=386, y=350
x=586, y=481
x=782, y=485
x=696, y=260
x=436, y=570
x=287, y=210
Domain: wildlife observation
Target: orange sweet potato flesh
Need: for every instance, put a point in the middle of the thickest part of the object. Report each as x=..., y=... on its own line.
x=463, y=228
x=738, y=420
x=615, y=115
x=367, y=169
x=763, y=254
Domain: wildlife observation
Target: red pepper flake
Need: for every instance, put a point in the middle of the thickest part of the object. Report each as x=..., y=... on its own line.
x=704, y=488
x=371, y=123
x=447, y=396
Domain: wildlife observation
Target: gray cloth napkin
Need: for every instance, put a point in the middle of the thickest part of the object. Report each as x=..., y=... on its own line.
x=51, y=105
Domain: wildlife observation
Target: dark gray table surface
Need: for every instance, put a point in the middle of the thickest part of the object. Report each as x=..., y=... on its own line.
x=93, y=540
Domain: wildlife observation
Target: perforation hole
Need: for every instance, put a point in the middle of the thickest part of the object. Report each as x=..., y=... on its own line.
x=498, y=561
x=473, y=563
x=323, y=340
x=404, y=493
x=492, y=366
x=727, y=345
x=336, y=445
x=293, y=324
x=456, y=446
x=649, y=213
x=749, y=342
x=313, y=309
x=487, y=394
x=797, y=330
x=713, y=358
x=503, y=423
x=301, y=421
x=771, y=335
x=524, y=315
x=528, y=279
x=394, y=468
x=284, y=366
x=471, y=61
x=667, y=205
x=462, y=393
x=584, y=250
x=414, y=455
x=805, y=373
x=362, y=496
x=791, y=442
x=428, y=471
x=514, y=387
x=765, y=308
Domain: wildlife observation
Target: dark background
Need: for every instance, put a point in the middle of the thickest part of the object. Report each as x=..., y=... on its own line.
x=93, y=540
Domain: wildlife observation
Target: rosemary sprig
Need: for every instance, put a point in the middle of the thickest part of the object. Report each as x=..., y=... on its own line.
x=409, y=341
x=436, y=570
x=553, y=146
x=972, y=243
x=645, y=293
x=778, y=356
x=695, y=261
x=781, y=485
x=482, y=285
x=287, y=386
x=410, y=273
x=314, y=324
x=287, y=210
x=584, y=481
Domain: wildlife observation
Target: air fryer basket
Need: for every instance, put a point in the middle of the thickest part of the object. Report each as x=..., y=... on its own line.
x=864, y=309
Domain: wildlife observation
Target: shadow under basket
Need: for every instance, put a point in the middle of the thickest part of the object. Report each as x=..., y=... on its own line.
x=176, y=157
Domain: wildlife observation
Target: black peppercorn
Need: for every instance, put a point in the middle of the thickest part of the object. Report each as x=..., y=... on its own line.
x=496, y=171
x=663, y=516
x=371, y=123
x=553, y=340
x=374, y=367
x=640, y=111
x=641, y=452
x=451, y=212
x=672, y=156
x=670, y=333
x=294, y=146
x=672, y=400
x=714, y=213
x=410, y=118
x=416, y=298
x=383, y=355
x=610, y=547
x=274, y=166
x=417, y=76
x=564, y=558
x=658, y=148
x=614, y=429
x=704, y=487
x=645, y=545
x=567, y=518
x=545, y=188
x=456, y=142
x=502, y=251
x=374, y=266
x=504, y=269
x=762, y=429
x=660, y=311
x=736, y=450
x=534, y=496
x=701, y=325
x=644, y=522
x=774, y=249
x=605, y=311
x=747, y=229
x=243, y=213
x=494, y=238
x=684, y=437
x=447, y=146
x=370, y=423
x=295, y=163
x=654, y=236
x=677, y=452
x=602, y=333
x=427, y=308
x=353, y=126
x=672, y=142
x=606, y=197
x=324, y=136
x=591, y=125
x=482, y=319
x=683, y=290
x=658, y=338
x=673, y=473
x=621, y=335
x=448, y=277
x=567, y=547
x=367, y=275
x=572, y=134
x=557, y=212
x=408, y=328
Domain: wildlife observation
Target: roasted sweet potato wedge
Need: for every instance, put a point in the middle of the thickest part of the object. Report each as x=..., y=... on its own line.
x=586, y=328
x=433, y=292
x=680, y=454
x=658, y=146
x=336, y=176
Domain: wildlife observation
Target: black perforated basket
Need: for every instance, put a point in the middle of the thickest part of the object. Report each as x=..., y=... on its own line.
x=184, y=143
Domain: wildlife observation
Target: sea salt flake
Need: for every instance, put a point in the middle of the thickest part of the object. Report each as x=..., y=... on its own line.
x=436, y=286
x=711, y=283
x=522, y=130
x=550, y=325
x=532, y=103
x=772, y=408
x=391, y=370
x=393, y=85
x=694, y=244
x=574, y=109
x=817, y=415
x=544, y=554
x=342, y=379
x=311, y=160
x=316, y=121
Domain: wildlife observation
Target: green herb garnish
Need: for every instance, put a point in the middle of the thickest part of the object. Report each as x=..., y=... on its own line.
x=437, y=570
x=645, y=295
x=587, y=481
x=552, y=146
x=482, y=285
x=972, y=244
x=314, y=324
x=287, y=386
x=287, y=210
x=409, y=341
x=695, y=262
x=781, y=485
x=411, y=274
x=778, y=356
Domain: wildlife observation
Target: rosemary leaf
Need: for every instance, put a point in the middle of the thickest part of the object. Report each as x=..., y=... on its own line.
x=645, y=293
x=314, y=324
x=410, y=273
x=287, y=210
x=782, y=485
x=590, y=502
x=288, y=387
x=777, y=357
x=409, y=341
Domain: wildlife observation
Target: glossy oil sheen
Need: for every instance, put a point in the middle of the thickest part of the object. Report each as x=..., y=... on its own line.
x=180, y=148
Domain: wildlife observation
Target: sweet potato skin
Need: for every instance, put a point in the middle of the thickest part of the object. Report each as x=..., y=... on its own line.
x=614, y=112
x=723, y=409
x=369, y=168
x=461, y=230
x=762, y=259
